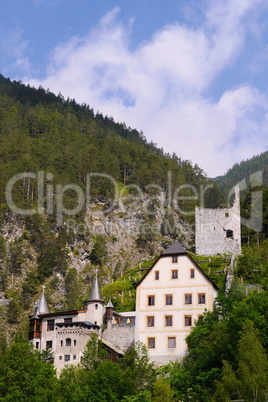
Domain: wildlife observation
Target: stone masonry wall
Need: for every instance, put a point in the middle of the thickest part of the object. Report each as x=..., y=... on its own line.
x=218, y=230
x=120, y=336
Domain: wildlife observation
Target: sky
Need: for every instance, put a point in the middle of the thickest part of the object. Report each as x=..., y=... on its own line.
x=190, y=74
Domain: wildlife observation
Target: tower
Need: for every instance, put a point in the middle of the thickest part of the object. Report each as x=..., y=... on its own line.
x=36, y=322
x=109, y=311
x=95, y=305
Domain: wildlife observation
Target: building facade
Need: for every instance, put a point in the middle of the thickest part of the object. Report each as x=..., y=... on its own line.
x=171, y=296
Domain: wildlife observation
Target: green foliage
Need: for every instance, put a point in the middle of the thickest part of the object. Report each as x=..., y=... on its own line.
x=29, y=289
x=14, y=308
x=99, y=379
x=51, y=247
x=138, y=368
x=23, y=376
x=162, y=391
x=223, y=335
x=250, y=382
x=243, y=170
x=94, y=353
x=17, y=257
x=99, y=252
x=72, y=288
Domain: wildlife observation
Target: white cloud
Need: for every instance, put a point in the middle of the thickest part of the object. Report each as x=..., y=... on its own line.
x=13, y=50
x=160, y=87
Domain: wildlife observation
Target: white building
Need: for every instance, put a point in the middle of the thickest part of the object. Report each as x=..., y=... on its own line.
x=171, y=296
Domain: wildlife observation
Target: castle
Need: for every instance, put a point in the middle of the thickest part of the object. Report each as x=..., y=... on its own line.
x=170, y=298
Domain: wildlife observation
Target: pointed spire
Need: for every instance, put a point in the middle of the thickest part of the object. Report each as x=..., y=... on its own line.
x=41, y=306
x=109, y=304
x=95, y=292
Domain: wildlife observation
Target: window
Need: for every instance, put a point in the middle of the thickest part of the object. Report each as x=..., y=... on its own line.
x=60, y=357
x=171, y=342
x=37, y=345
x=174, y=274
x=226, y=214
x=156, y=275
x=151, y=343
x=188, y=299
x=68, y=320
x=150, y=321
x=192, y=273
x=96, y=307
x=49, y=345
x=50, y=325
x=201, y=298
x=67, y=358
x=74, y=357
x=229, y=234
x=168, y=320
x=61, y=343
x=151, y=300
x=74, y=342
x=169, y=300
x=174, y=259
x=188, y=320
x=68, y=342
x=38, y=327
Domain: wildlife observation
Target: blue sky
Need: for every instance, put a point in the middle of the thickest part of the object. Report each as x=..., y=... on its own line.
x=190, y=74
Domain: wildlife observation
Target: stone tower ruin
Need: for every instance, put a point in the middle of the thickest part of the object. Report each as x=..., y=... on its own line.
x=218, y=231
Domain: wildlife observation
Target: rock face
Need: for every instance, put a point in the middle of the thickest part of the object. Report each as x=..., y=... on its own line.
x=113, y=242
x=130, y=236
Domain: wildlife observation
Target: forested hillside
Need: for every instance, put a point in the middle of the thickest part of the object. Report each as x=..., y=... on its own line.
x=57, y=143
x=244, y=170
x=53, y=144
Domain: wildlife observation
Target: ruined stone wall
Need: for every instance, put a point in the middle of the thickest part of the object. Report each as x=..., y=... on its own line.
x=218, y=231
x=120, y=336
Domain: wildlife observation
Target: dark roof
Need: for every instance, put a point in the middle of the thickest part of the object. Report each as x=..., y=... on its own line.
x=175, y=249
x=70, y=312
x=86, y=324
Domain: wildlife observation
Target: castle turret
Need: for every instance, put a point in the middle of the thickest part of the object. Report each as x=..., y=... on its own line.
x=109, y=311
x=95, y=304
x=36, y=322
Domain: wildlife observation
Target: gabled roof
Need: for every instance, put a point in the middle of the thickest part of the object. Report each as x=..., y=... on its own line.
x=176, y=249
